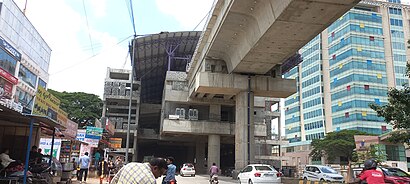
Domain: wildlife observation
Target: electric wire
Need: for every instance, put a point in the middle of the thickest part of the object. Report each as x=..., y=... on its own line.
x=92, y=56
x=207, y=15
x=88, y=27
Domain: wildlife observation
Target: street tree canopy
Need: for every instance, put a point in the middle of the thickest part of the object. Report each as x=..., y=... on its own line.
x=397, y=112
x=81, y=107
x=336, y=144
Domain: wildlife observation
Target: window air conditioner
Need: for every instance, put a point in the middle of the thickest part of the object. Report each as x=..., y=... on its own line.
x=193, y=114
x=180, y=112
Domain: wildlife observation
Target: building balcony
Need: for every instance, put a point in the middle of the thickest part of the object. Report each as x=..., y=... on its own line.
x=273, y=142
x=269, y=157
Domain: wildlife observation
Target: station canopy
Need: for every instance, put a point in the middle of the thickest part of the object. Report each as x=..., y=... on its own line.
x=155, y=54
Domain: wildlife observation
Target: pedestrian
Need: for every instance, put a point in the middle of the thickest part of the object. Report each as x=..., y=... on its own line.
x=75, y=165
x=102, y=170
x=84, y=166
x=370, y=174
x=170, y=177
x=97, y=157
x=141, y=173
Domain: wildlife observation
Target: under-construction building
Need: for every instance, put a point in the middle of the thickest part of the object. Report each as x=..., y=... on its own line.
x=197, y=128
x=117, y=91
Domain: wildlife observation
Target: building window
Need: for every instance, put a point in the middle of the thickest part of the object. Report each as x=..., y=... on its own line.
x=27, y=76
x=24, y=98
x=42, y=83
x=366, y=87
x=7, y=62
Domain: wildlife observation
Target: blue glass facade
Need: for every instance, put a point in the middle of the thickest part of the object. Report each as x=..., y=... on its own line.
x=356, y=48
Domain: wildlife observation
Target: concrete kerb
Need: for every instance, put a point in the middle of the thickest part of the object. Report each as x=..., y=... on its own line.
x=301, y=181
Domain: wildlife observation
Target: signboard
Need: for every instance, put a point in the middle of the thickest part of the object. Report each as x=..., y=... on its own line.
x=46, y=104
x=62, y=117
x=115, y=142
x=85, y=148
x=45, y=145
x=92, y=142
x=98, y=123
x=80, y=135
x=71, y=129
x=6, y=46
x=93, y=133
x=109, y=126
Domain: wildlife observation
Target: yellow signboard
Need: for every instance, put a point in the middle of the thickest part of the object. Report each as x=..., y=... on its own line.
x=47, y=104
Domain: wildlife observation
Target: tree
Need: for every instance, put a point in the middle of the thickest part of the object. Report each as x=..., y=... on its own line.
x=397, y=112
x=336, y=144
x=81, y=107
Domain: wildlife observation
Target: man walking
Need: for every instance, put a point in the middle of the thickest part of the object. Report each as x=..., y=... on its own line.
x=170, y=172
x=141, y=173
x=84, y=165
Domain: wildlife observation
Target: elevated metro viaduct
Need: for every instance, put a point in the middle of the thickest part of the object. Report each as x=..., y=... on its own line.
x=238, y=57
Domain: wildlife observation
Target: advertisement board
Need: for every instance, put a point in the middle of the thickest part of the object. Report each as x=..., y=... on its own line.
x=46, y=104
x=115, y=142
x=80, y=135
x=45, y=145
x=85, y=148
x=71, y=129
x=93, y=132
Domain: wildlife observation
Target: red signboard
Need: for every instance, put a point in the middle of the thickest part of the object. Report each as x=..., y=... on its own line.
x=71, y=129
x=9, y=77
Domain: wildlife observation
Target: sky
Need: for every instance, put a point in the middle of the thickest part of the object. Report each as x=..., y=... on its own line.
x=87, y=36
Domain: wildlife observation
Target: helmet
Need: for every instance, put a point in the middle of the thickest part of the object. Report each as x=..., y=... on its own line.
x=370, y=164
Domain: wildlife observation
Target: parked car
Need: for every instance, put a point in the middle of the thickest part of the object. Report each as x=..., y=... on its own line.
x=391, y=175
x=259, y=173
x=187, y=169
x=321, y=173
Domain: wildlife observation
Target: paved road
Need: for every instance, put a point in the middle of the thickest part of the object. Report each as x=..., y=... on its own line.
x=198, y=179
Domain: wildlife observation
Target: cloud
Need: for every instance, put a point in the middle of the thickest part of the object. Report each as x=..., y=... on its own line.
x=187, y=12
x=99, y=7
x=65, y=31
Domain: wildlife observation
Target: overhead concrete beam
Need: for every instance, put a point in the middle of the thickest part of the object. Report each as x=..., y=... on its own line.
x=232, y=84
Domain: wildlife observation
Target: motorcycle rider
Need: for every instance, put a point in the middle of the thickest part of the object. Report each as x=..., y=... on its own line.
x=214, y=170
x=370, y=174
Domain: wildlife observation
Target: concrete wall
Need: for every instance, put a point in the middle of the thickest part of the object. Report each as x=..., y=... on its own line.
x=196, y=127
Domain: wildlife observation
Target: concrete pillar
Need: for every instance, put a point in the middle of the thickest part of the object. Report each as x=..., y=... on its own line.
x=215, y=112
x=391, y=79
x=241, y=130
x=200, y=157
x=326, y=84
x=214, y=150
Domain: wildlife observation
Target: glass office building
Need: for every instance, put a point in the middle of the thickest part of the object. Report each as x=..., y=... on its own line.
x=348, y=66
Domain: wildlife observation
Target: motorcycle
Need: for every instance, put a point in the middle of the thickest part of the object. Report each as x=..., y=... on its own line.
x=214, y=179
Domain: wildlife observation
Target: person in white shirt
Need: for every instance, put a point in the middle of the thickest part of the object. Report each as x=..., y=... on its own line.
x=5, y=158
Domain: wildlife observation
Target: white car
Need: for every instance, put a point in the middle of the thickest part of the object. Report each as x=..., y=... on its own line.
x=321, y=173
x=187, y=169
x=259, y=173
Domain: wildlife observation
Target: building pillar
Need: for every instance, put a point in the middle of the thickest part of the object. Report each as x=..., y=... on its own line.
x=326, y=84
x=214, y=150
x=241, y=130
x=388, y=52
x=104, y=110
x=215, y=112
x=200, y=157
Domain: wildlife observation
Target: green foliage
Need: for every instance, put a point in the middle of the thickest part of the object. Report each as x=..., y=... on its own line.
x=81, y=107
x=371, y=152
x=397, y=112
x=336, y=144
